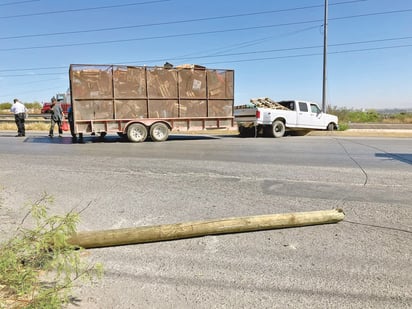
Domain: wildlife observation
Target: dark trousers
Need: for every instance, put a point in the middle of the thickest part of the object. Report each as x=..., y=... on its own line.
x=19, y=119
x=72, y=127
x=53, y=123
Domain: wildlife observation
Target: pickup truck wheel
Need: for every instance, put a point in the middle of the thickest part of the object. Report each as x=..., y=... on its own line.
x=278, y=128
x=159, y=132
x=136, y=132
x=331, y=127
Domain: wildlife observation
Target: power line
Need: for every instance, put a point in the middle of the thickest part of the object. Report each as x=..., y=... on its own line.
x=173, y=22
x=84, y=9
x=230, y=54
x=275, y=50
x=18, y=2
x=158, y=37
x=38, y=81
x=228, y=48
x=26, y=92
x=31, y=69
x=36, y=74
x=313, y=54
x=242, y=60
x=133, y=26
x=200, y=33
x=373, y=14
x=218, y=51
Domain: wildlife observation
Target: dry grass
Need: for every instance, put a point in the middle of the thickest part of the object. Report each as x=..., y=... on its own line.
x=34, y=126
x=397, y=120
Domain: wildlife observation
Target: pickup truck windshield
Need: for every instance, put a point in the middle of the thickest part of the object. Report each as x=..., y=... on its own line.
x=314, y=108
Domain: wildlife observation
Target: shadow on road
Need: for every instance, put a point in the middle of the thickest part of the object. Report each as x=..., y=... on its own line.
x=106, y=139
x=402, y=157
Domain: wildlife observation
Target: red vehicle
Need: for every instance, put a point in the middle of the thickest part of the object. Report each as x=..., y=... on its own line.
x=61, y=99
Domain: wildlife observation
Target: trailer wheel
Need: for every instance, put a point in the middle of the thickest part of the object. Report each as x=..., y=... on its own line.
x=278, y=128
x=136, y=132
x=247, y=131
x=243, y=131
x=159, y=132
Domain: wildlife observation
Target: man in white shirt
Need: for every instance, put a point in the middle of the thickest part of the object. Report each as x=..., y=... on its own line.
x=19, y=111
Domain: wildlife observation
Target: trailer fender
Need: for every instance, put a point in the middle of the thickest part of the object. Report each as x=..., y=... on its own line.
x=146, y=122
x=280, y=119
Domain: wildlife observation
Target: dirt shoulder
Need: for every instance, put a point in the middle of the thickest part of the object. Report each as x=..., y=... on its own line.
x=365, y=133
x=350, y=132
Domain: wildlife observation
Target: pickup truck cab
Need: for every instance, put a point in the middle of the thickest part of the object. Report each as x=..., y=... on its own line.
x=275, y=118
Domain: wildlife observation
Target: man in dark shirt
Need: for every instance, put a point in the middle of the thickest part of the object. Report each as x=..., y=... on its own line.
x=56, y=117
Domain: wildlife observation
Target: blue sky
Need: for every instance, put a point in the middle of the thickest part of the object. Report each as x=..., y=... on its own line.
x=275, y=47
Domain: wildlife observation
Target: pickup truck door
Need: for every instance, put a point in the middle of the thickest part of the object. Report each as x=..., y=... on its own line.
x=309, y=115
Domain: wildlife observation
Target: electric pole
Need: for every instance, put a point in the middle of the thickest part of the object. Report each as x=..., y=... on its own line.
x=325, y=51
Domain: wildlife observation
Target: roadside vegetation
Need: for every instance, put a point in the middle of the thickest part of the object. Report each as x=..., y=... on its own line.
x=347, y=116
x=38, y=267
x=34, y=107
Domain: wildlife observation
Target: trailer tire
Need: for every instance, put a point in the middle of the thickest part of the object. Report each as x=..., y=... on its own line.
x=278, y=128
x=247, y=131
x=159, y=132
x=136, y=132
x=267, y=131
x=242, y=131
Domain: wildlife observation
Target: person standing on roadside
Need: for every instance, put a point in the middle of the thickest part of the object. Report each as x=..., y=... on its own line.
x=56, y=117
x=19, y=111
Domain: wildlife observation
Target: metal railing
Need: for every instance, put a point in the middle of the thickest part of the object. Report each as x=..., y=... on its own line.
x=42, y=118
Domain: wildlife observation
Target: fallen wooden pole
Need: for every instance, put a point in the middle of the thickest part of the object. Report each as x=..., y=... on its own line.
x=127, y=236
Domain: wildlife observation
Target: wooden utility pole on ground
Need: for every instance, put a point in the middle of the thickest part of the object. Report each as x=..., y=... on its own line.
x=127, y=236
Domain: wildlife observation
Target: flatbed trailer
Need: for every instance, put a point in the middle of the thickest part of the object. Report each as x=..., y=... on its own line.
x=140, y=101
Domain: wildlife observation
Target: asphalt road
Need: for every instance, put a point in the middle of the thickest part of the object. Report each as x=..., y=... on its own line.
x=361, y=262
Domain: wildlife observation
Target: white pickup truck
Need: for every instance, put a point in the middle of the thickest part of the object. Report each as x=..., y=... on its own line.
x=264, y=116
